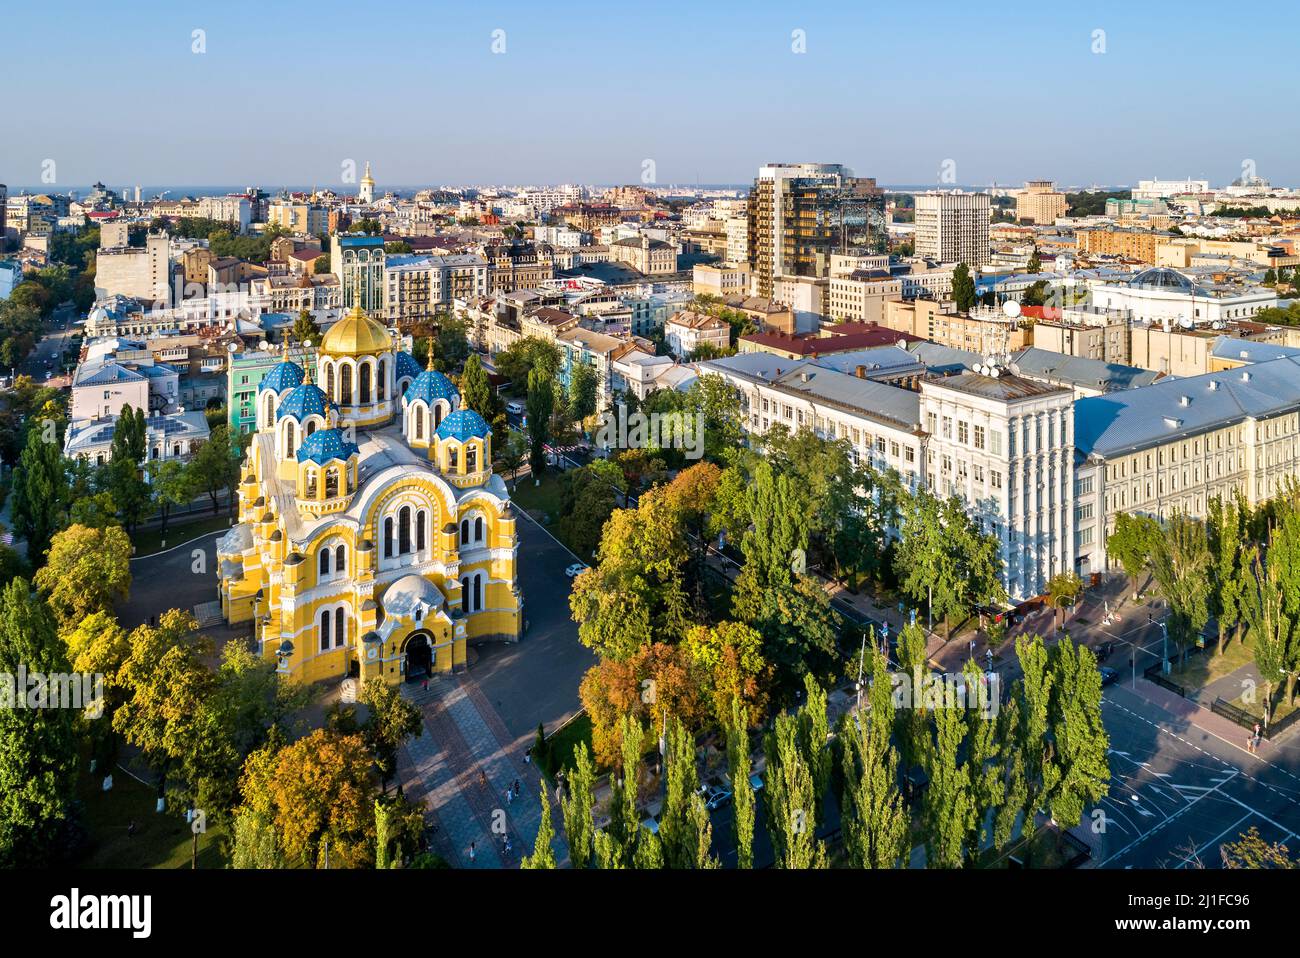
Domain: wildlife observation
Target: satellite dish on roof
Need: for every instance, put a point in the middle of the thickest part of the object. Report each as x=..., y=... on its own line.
x=1011, y=309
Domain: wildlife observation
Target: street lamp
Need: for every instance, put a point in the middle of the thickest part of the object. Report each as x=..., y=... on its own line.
x=1164, y=648
x=862, y=651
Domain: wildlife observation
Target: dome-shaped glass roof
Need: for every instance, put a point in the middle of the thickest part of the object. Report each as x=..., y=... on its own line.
x=1160, y=277
x=324, y=445
x=305, y=400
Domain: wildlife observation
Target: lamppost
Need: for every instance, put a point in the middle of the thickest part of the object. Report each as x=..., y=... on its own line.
x=862, y=651
x=1164, y=648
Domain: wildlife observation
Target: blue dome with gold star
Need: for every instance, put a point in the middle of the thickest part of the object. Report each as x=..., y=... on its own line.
x=285, y=375
x=464, y=424
x=324, y=445
x=407, y=366
x=305, y=400
x=431, y=386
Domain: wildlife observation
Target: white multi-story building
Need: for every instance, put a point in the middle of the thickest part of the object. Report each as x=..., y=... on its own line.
x=417, y=288
x=952, y=226
x=1163, y=189
x=1164, y=296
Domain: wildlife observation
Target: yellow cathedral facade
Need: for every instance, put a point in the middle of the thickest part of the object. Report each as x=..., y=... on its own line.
x=373, y=538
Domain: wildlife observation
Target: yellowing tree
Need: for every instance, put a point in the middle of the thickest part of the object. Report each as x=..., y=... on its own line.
x=88, y=570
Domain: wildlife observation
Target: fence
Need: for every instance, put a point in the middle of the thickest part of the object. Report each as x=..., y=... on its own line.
x=1247, y=720
x=1155, y=673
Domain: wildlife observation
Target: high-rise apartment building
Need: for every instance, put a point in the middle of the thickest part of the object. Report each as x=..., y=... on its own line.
x=800, y=214
x=358, y=262
x=952, y=226
x=1040, y=202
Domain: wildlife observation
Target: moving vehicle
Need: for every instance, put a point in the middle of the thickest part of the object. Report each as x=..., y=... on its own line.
x=715, y=796
x=575, y=570
x=1108, y=676
x=515, y=407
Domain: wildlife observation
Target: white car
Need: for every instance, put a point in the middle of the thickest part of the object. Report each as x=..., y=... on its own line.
x=575, y=570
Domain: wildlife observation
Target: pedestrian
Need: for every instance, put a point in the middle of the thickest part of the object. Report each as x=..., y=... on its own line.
x=482, y=778
x=509, y=847
x=510, y=795
x=1250, y=743
x=517, y=788
x=471, y=851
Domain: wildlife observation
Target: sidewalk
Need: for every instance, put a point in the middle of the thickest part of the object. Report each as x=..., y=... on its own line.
x=1188, y=711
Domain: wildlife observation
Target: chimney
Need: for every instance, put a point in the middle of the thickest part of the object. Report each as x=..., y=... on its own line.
x=861, y=372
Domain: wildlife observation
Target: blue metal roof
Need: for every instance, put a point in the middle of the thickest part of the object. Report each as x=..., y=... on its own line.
x=325, y=445
x=463, y=424
x=407, y=366
x=346, y=241
x=305, y=400
x=285, y=375
x=431, y=385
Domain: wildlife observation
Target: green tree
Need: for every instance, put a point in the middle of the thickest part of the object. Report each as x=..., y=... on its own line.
x=948, y=806
x=88, y=570
x=40, y=490
x=1079, y=739
x=1063, y=590
x=738, y=767
x=1227, y=537
x=1183, y=566
x=675, y=827
x=963, y=288
x=581, y=398
x=392, y=720
x=1035, y=262
x=543, y=856
x=513, y=454
x=215, y=466
x=576, y=808
x=38, y=758
x=789, y=798
x=814, y=734
x=540, y=404
x=875, y=823
x=305, y=329
x=172, y=485
x=1133, y=543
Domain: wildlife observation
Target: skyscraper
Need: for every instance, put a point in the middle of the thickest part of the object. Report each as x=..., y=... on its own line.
x=953, y=227
x=801, y=213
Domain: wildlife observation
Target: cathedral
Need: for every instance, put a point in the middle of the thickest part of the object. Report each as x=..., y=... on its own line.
x=373, y=537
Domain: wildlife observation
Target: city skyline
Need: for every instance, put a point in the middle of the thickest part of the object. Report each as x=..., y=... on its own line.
x=1078, y=86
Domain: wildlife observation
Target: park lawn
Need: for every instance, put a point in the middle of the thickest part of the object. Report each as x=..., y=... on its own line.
x=542, y=501
x=149, y=540
x=563, y=743
x=160, y=841
x=1200, y=670
x=1256, y=706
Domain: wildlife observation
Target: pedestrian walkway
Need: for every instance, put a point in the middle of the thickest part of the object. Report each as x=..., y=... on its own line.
x=460, y=768
x=1186, y=710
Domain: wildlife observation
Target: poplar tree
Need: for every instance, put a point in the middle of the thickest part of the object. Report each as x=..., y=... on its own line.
x=1079, y=737
x=542, y=856
x=738, y=766
x=540, y=404
x=788, y=799
x=1227, y=534
x=876, y=825
x=674, y=824
x=814, y=731
x=576, y=809
x=40, y=490
x=948, y=807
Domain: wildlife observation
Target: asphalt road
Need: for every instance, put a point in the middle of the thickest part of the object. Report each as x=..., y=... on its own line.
x=47, y=356
x=1177, y=791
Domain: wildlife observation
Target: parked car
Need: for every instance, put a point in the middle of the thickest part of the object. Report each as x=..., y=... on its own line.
x=756, y=782
x=1108, y=676
x=652, y=823
x=575, y=570
x=715, y=796
x=515, y=407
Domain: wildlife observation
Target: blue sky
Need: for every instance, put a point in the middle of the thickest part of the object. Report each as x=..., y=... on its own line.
x=588, y=91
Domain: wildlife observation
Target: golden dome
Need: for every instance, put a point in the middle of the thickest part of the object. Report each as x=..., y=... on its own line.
x=356, y=334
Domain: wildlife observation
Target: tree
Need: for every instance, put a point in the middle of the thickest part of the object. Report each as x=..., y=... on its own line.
x=1271, y=628
x=40, y=489
x=814, y=733
x=305, y=329
x=963, y=288
x=588, y=496
x=172, y=485
x=728, y=658
x=583, y=386
x=948, y=806
x=738, y=767
x=88, y=570
x=320, y=796
x=576, y=808
x=1250, y=850
x=789, y=798
x=875, y=823
x=1034, y=692
x=477, y=391
x=1227, y=534
x=542, y=856
x=513, y=453
x=1080, y=742
x=1183, y=566
x=214, y=466
x=540, y=404
x=1063, y=589
x=38, y=758
x=392, y=720
x=1035, y=262
x=675, y=827
x=1133, y=542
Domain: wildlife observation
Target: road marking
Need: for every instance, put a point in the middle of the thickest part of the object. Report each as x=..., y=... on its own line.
x=1178, y=814
x=1197, y=853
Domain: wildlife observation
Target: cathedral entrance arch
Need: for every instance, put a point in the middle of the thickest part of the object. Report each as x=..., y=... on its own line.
x=418, y=650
